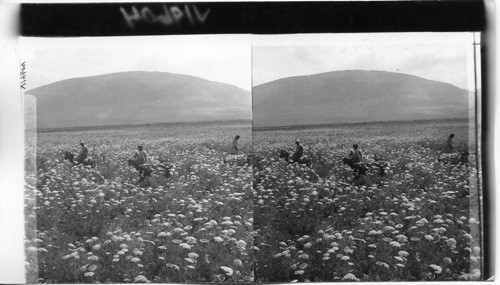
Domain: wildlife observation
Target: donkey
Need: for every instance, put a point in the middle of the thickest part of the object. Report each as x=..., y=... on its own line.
x=302, y=160
x=87, y=161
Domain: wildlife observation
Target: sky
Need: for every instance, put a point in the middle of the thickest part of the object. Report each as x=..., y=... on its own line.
x=246, y=60
x=224, y=59
x=436, y=56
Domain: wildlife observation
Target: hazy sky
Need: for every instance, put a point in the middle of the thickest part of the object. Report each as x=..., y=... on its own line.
x=232, y=59
x=435, y=56
x=219, y=58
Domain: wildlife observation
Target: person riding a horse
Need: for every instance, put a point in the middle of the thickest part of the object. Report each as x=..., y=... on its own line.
x=355, y=155
x=84, y=152
x=354, y=159
x=140, y=158
x=299, y=152
x=140, y=155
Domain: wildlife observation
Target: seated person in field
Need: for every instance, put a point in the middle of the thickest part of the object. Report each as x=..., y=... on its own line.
x=449, y=144
x=140, y=156
x=355, y=155
x=353, y=160
x=299, y=152
x=234, y=148
x=84, y=152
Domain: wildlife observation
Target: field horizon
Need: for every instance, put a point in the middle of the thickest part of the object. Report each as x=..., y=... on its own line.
x=343, y=124
x=131, y=126
x=254, y=129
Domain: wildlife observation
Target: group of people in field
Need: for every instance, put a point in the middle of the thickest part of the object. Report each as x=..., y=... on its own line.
x=354, y=158
x=139, y=159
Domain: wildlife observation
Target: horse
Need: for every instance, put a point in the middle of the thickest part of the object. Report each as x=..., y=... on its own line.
x=456, y=158
x=360, y=168
x=145, y=170
x=87, y=161
x=302, y=160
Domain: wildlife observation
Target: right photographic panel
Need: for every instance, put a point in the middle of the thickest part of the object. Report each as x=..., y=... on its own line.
x=366, y=157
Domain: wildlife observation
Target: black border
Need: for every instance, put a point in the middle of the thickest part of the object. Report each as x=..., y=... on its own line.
x=77, y=20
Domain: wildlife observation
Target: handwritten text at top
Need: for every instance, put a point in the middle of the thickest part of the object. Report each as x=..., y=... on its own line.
x=169, y=16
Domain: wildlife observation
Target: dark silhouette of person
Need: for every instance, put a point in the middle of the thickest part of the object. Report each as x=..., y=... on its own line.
x=235, y=149
x=299, y=151
x=449, y=144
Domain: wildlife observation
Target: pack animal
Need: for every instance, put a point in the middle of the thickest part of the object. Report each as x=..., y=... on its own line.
x=461, y=158
x=144, y=171
x=360, y=168
x=302, y=160
x=147, y=170
x=87, y=161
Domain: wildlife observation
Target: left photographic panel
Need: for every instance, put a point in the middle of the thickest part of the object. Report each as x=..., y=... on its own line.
x=137, y=156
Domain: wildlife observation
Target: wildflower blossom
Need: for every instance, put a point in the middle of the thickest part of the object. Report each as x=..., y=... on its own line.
x=437, y=269
x=350, y=277
x=141, y=278
x=228, y=271
x=403, y=253
x=304, y=256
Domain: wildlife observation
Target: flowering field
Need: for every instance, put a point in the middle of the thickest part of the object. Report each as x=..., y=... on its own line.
x=100, y=225
x=206, y=223
x=412, y=223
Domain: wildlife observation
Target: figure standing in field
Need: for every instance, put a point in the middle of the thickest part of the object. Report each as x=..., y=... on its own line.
x=449, y=144
x=84, y=152
x=234, y=148
x=299, y=152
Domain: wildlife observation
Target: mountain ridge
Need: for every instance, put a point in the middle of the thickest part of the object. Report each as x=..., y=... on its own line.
x=356, y=70
x=357, y=96
x=134, y=71
x=138, y=97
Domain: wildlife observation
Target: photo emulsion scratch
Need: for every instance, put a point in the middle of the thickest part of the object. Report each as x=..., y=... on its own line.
x=241, y=159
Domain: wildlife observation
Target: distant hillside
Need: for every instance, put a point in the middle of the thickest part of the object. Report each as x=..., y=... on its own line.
x=355, y=96
x=138, y=98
